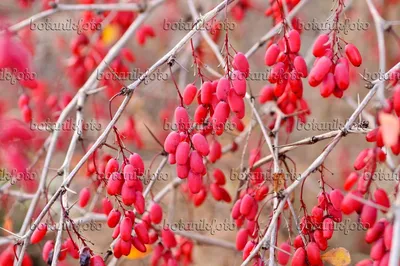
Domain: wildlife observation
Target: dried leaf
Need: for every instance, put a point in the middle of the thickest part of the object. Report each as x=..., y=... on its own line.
x=337, y=257
x=279, y=181
x=110, y=34
x=137, y=255
x=390, y=128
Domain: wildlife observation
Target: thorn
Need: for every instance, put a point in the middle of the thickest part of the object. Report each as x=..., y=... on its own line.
x=70, y=190
x=155, y=138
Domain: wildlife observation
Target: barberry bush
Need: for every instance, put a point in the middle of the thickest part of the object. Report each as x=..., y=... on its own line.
x=165, y=132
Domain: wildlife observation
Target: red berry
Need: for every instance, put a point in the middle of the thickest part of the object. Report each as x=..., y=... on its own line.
x=342, y=76
x=139, y=202
x=171, y=142
x=206, y=92
x=240, y=63
x=223, y=89
x=200, y=144
x=156, y=213
x=113, y=218
x=319, y=71
x=137, y=162
x=294, y=41
x=126, y=228
x=299, y=257
x=196, y=162
x=327, y=228
x=195, y=182
x=142, y=233
x=97, y=261
x=246, y=204
x=247, y=249
x=219, y=177
x=189, y=94
x=168, y=238
x=300, y=66
x=138, y=245
x=336, y=198
x=353, y=55
x=382, y=198
x=328, y=85
x=241, y=238
x=283, y=257
x=239, y=83
x=313, y=254
x=39, y=233
x=182, y=153
x=84, y=197
x=271, y=54
x=320, y=45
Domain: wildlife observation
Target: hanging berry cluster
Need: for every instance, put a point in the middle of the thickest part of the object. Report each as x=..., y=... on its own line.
x=332, y=68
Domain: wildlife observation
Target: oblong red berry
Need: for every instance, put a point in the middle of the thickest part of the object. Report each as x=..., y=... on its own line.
x=182, y=170
x=171, y=142
x=342, y=77
x=239, y=83
x=182, y=152
x=282, y=256
x=313, y=254
x=219, y=177
x=196, y=162
x=328, y=85
x=200, y=144
x=206, y=92
x=294, y=41
x=241, y=63
x=137, y=162
x=353, y=54
x=128, y=194
x=138, y=244
x=271, y=55
x=336, y=198
x=200, y=114
x=111, y=166
x=320, y=45
x=223, y=89
x=168, y=238
x=39, y=233
x=301, y=66
x=215, y=151
x=139, y=202
x=241, y=238
x=246, y=204
x=84, y=197
x=221, y=114
x=156, y=213
x=195, y=182
x=236, y=102
x=189, y=93
x=114, y=184
x=327, y=228
x=113, y=218
x=125, y=229
x=299, y=257
x=142, y=233
x=382, y=198
x=182, y=118
x=319, y=71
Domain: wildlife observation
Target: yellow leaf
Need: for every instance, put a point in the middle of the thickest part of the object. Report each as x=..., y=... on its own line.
x=390, y=127
x=337, y=257
x=8, y=224
x=110, y=34
x=137, y=255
